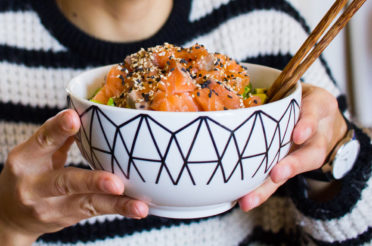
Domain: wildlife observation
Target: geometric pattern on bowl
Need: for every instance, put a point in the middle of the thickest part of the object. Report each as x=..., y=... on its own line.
x=176, y=159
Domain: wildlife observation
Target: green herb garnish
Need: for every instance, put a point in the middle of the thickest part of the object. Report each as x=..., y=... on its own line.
x=247, y=91
x=111, y=102
x=92, y=100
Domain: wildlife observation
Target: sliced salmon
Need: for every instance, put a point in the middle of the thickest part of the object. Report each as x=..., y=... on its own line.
x=173, y=102
x=113, y=87
x=171, y=78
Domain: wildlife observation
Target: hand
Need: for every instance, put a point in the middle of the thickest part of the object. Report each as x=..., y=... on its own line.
x=39, y=195
x=320, y=126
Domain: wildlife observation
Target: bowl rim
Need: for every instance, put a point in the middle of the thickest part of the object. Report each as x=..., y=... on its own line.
x=153, y=112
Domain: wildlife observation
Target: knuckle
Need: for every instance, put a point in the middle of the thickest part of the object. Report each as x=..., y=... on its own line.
x=22, y=196
x=124, y=206
x=293, y=164
x=321, y=149
x=43, y=139
x=61, y=185
x=87, y=206
x=14, y=162
x=333, y=104
x=322, y=144
x=40, y=213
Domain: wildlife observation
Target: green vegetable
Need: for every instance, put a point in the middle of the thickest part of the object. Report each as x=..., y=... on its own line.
x=111, y=102
x=247, y=91
x=94, y=101
x=263, y=97
x=261, y=90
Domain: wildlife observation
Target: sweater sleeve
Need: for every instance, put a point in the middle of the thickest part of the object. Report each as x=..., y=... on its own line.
x=346, y=219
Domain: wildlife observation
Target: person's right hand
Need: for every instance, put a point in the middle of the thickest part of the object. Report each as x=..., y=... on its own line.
x=39, y=195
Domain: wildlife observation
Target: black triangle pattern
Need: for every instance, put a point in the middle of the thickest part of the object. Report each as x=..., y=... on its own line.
x=202, y=126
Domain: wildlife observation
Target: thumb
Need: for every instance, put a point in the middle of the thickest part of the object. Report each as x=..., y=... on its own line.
x=52, y=135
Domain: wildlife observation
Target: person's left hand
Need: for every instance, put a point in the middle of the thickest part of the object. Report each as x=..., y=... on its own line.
x=320, y=126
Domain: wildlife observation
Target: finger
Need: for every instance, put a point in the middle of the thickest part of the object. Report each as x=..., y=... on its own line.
x=259, y=195
x=69, y=181
x=60, y=156
x=308, y=157
x=317, y=104
x=80, y=207
x=51, y=135
x=306, y=125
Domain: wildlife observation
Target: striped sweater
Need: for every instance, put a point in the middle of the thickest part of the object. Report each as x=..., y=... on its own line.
x=40, y=51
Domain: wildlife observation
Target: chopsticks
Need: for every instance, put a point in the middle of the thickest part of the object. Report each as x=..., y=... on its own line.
x=301, y=61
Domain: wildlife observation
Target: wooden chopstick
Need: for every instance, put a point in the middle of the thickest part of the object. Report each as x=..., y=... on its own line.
x=295, y=68
x=306, y=46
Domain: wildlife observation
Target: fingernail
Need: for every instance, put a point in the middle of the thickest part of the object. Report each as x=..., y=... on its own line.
x=284, y=174
x=306, y=134
x=139, y=211
x=67, y=122
x=109, y=186
x=254, y=201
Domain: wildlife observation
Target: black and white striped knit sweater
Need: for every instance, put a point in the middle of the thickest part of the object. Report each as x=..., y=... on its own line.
x=40, y=51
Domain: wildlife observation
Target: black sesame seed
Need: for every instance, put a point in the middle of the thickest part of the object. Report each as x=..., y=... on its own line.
x=122, y=79
x=172, y=69
x=198, y=94
x=205, y=84
x=146, y=97
x=229, y=96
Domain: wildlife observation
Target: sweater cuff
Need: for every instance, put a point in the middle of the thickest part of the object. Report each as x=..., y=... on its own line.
x=351, y=187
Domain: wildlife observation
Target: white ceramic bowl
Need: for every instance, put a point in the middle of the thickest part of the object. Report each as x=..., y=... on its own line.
x=185, y=164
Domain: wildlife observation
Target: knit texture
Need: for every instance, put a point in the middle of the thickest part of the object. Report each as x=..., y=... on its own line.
x=40, y=51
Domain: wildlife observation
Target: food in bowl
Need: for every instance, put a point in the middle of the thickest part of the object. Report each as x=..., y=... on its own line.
x=185, y=164
x=172, y=78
